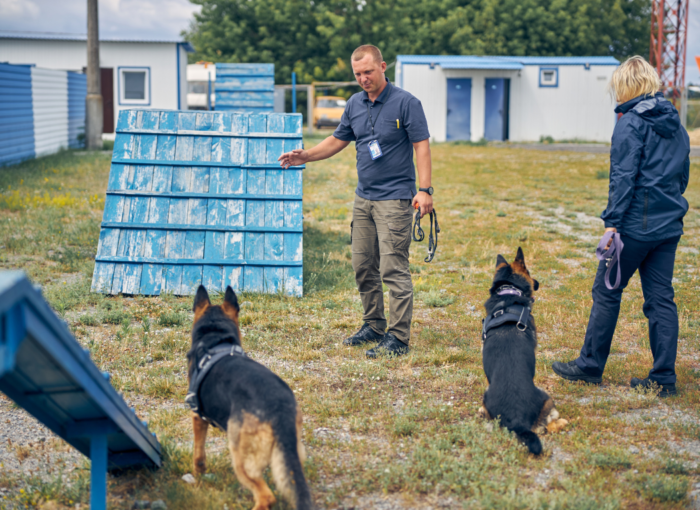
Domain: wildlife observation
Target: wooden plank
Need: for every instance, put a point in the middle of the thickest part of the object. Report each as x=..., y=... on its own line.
x=197, y=210
x=233, y=276
x=159, y=208
x=104, y=272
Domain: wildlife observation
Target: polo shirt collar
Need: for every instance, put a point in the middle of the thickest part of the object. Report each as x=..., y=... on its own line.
x=382, y=96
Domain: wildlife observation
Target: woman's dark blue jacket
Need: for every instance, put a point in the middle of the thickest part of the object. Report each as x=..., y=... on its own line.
x=649, y=170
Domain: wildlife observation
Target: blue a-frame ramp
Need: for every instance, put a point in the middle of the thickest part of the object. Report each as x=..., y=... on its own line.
x=46, y=371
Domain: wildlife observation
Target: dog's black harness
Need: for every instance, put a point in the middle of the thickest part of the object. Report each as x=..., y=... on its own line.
x=432, y=245
x=202, y=368
x=502, y=314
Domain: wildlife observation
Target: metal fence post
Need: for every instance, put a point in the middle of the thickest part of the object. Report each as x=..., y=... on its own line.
x=311, y=92
x=98, y=472
x=294, y=92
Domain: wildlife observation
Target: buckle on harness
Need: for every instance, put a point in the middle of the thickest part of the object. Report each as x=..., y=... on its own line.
x=520, y=321
x=204, y=361
x=498, y=313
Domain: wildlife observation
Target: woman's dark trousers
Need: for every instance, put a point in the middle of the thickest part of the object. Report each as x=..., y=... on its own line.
x=655, y=260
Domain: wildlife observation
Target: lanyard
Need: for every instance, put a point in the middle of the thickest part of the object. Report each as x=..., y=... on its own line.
x=369, y=114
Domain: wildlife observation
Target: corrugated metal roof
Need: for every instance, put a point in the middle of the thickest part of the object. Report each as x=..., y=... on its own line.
x=500, y=62
x=61, y=36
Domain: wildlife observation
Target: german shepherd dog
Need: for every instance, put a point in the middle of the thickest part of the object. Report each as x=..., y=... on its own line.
x=253, y=405
x=508, y=354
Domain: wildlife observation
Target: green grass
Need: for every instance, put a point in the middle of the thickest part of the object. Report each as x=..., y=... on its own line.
x=404, y=429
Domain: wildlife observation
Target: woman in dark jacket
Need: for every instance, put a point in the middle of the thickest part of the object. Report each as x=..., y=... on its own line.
x=649, y=171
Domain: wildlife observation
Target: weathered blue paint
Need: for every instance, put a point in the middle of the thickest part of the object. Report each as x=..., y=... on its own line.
x=245, y=87
x=198, y=197
x=46, y=371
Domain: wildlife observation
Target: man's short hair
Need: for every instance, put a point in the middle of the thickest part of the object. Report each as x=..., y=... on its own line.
x=634, y=77
x=368, y=49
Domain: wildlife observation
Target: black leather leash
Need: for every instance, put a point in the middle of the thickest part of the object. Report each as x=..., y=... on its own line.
x=432, y=244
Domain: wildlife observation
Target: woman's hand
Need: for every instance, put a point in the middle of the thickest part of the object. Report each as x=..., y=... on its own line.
x=610, y=229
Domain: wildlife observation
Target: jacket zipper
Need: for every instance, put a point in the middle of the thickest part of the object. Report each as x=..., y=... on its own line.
x=646, y=208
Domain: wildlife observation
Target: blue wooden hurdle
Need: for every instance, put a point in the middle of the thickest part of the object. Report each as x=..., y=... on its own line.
x=199, y=198
x=245, y=87
x=46, y=371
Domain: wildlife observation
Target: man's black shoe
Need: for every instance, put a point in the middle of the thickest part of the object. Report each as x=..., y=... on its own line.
x=665, y=390
x=572, y=372
x=364, y=336
x=390, y=346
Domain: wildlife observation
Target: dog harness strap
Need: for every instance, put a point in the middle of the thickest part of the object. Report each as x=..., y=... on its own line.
x=520, y=314
x=611, y=256
x=202, y=369
x=432, y=243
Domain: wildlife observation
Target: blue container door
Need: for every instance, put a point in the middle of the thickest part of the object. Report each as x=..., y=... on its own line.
x=496, y=105
x=459, y=108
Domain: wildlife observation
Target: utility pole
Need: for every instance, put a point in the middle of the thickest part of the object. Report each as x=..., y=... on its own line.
x=93, y=101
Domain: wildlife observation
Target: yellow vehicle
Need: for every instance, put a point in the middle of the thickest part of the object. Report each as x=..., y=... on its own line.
x=328, y=110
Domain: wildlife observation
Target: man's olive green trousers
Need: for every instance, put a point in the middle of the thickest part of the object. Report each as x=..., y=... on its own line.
x=381, y=237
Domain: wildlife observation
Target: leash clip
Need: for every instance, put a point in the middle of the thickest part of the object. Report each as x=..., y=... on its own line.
x=204, y=361
x=520, y=321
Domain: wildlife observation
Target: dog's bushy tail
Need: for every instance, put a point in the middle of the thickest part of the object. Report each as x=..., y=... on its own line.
x=531, y=440
x=286, y=466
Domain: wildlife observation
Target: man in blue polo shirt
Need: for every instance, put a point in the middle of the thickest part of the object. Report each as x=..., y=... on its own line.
x=387, y=124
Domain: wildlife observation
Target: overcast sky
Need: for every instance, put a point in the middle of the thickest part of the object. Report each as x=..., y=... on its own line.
x=153, y=19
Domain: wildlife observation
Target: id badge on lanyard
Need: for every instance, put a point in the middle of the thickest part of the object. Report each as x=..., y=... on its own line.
x=375, y=151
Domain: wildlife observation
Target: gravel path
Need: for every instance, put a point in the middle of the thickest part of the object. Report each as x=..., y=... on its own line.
x=27, y=447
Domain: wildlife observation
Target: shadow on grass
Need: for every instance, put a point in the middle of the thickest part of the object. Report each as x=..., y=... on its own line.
x=327, y=263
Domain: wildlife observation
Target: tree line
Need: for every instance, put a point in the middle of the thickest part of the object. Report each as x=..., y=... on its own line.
x=315, y=38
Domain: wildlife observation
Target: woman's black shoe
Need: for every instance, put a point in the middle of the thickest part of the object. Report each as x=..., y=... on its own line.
x=364, y=336
x=572, y=372
x=665, y=390
x=390, y=346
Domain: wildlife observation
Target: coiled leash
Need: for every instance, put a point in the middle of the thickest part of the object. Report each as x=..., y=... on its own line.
x=611, y=256
x=432, y=244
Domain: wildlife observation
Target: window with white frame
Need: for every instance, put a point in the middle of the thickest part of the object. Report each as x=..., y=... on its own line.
x=549, y=77
x=135, y=85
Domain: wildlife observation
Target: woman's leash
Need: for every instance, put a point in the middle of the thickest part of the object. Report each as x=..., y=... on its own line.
x=432, y=244
x=611, y=254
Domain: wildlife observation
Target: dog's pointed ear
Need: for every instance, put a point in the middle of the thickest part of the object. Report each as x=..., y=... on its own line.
x=500, y=260
x=520, y=256
x=201, y=299
x=231, y=299
x=536, y=284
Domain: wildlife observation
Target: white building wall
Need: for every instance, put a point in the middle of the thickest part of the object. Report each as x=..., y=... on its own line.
x=50, y=105
x=161, y=58
x=579, y=108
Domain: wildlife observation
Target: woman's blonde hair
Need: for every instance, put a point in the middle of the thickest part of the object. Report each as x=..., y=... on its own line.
x=634, y=77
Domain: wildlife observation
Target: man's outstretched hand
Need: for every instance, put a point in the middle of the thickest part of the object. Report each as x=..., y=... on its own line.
x=424, y=201
x=295, y=158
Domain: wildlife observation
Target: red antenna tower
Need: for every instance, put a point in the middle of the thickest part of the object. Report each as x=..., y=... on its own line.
x=669, y=33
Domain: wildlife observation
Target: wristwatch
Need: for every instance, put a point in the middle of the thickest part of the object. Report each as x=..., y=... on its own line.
x=429, y=190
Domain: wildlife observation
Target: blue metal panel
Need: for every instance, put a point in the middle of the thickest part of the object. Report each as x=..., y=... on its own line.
x=77, y=90
x=245, y=87
x=16, y=114
x=199, y=197
x=459, y=108
x=496, y=109
x=45, y=370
